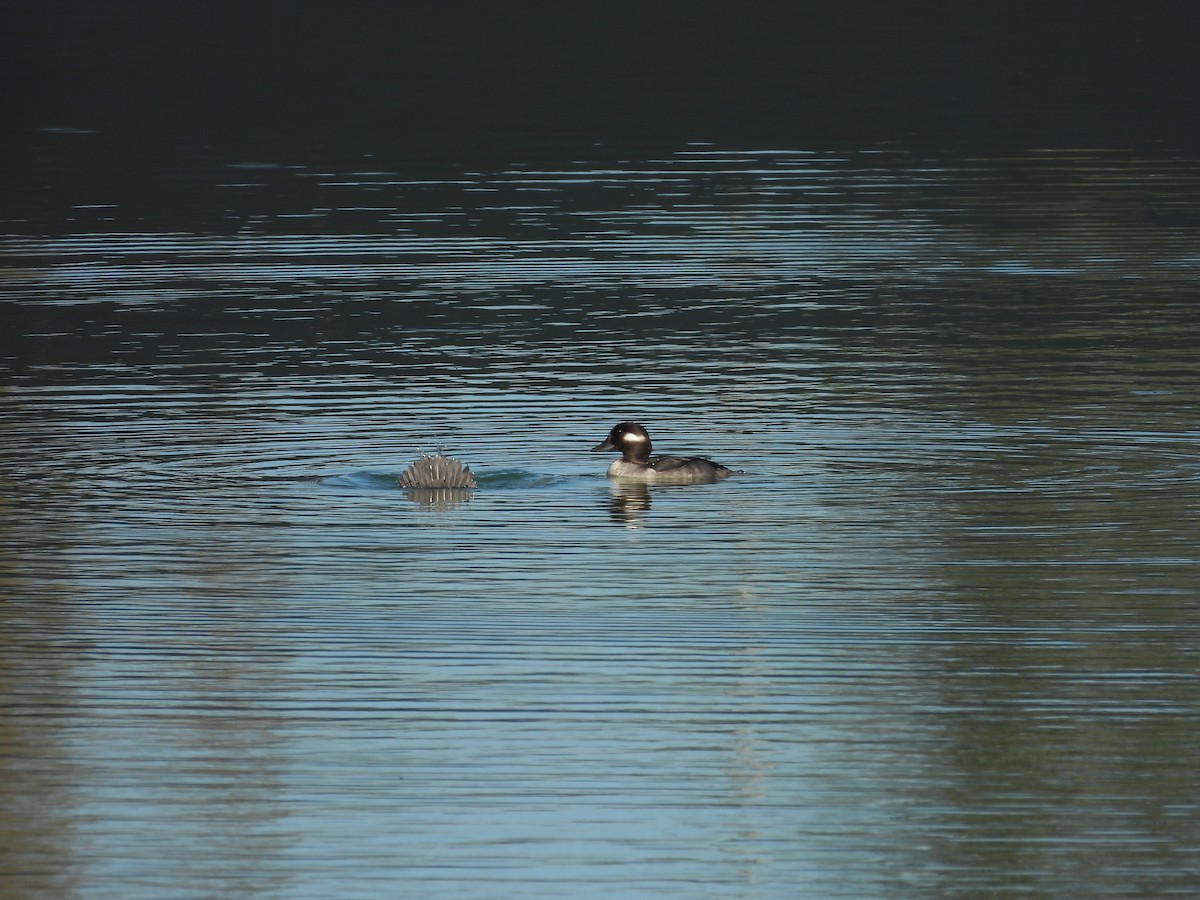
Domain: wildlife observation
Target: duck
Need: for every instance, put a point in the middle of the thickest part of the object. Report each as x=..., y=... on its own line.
x=636, y=463
x=436, y=471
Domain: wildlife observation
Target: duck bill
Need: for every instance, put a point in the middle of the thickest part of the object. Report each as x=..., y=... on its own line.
x=605, y=444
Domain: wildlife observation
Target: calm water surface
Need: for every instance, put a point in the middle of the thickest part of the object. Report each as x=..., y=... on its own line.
x=940, y=640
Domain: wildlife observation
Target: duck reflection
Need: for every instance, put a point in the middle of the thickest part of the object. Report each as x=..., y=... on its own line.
x=438, y=498
x=629, y=502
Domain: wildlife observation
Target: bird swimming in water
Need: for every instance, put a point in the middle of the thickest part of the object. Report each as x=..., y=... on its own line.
x=636, y=463
x=436, y=471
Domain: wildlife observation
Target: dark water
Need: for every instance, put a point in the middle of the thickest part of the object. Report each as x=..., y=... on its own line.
x=940, y=640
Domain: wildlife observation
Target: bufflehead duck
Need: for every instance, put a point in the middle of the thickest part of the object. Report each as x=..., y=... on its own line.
x=431, y=471
x=636, y=463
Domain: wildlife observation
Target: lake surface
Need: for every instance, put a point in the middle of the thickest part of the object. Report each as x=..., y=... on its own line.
x=941, y=639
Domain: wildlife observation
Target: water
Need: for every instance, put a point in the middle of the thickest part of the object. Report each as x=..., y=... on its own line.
x=939, y=640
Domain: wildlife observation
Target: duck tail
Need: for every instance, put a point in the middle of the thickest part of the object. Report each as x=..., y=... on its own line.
x=437, y=472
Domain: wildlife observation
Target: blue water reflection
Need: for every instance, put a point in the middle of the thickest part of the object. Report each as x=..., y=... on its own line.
x=939, y=640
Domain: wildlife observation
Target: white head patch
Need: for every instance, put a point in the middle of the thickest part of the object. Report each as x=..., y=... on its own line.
x=632, y=436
